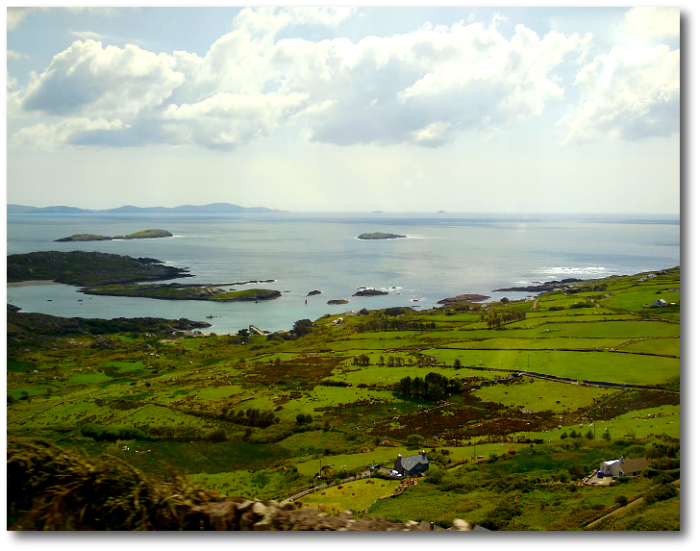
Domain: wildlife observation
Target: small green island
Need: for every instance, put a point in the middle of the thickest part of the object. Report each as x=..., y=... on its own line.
x=176, y=291
x=378, y=235
x=145, y=234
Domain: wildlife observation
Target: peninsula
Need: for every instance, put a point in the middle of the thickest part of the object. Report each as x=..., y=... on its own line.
x=146, y=234
x=114, y=275
x=88, y=268
x=542, y=287
x=463, y=298
x=378, y=235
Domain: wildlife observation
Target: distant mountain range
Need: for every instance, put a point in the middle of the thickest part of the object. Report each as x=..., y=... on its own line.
x=214, y=208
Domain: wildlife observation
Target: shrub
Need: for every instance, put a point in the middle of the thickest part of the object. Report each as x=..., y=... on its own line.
x=216, y=435
x=414, y=440
x=621, y=500
x=660, y=493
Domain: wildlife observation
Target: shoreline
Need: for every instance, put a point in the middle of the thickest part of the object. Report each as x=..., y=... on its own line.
x=32, y=283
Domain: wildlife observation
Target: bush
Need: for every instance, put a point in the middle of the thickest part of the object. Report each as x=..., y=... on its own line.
x=414, y=440
x=500, y=517
x=660, y=493
x=621, y=500
x=216, y=435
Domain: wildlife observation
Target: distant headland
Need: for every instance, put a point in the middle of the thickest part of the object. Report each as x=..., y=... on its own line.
x=146, y=234
x=213, y=208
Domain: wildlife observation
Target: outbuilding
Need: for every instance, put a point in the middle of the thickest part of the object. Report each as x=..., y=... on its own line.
x=660, y=303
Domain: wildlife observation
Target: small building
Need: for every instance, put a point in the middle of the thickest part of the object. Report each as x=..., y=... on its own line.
x=660, y=303
x=412, y=465
x=622, y=466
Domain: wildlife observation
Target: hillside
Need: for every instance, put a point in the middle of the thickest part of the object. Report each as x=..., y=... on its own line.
x=514, y=403
x=87, y=268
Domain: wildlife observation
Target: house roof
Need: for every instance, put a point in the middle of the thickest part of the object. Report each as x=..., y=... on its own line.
x=412, y=460
x=634, y=465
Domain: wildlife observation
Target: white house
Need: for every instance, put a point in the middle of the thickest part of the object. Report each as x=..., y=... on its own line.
x=660, y=303
x=622, y=466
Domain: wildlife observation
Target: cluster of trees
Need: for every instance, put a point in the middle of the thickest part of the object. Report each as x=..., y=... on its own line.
x=574, y=434
x=111, y=434
x=383, y=324
x=433, y=387
x=304, y=419
x=496, y=320
x=335, y=383
x=253, y=417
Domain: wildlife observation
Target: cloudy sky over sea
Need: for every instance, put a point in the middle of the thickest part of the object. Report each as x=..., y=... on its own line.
x=567, y=110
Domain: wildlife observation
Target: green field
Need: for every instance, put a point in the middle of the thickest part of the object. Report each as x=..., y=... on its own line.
x=260, y=417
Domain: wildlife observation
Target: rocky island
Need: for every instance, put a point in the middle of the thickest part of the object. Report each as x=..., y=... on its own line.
x=145, y=234
x=377, y=235
x=369, y=293
x=337, y=301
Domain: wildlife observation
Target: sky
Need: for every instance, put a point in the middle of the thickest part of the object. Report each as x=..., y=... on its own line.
x=475, y=110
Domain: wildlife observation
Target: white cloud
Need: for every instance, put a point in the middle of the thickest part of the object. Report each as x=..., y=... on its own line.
x=87, y=35
x=422, y=87
x=11, y=54
x=87, y=79
x=627, y=95
x=657, y=22
x=11, y=82
x=16, y=15
x=42, y=136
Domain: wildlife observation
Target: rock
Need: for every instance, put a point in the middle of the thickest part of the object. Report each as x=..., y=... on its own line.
x=259, y=509
x=311, y=293
x=337, y=301
x=461, y=526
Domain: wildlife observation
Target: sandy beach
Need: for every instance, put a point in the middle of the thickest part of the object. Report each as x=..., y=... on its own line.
x=32, y=283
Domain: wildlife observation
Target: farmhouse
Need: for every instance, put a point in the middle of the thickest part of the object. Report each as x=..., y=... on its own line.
x=660, y=303
x=412, y=465
x=622, y=466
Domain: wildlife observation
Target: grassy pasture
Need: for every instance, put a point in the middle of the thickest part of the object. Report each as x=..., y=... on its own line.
x=606, y=330
x=356, y=496
x=539, y=342
x=542, y=395
x=656, y=346
x=639, y=298
x=243, y=483
x=668, y=423
x=591, y=366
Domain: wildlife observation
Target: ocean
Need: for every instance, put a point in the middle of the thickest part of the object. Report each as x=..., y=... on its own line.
x=444, y=255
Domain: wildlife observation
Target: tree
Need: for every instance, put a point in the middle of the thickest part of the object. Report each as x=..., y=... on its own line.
x=458, y=364
x=243, y=333
x=564, y=435
x=589, y=434
x=606, y=436
x=302, y=327
x=414, y=440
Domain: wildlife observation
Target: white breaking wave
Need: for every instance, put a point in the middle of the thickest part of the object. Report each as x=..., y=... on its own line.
x=558, y=271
